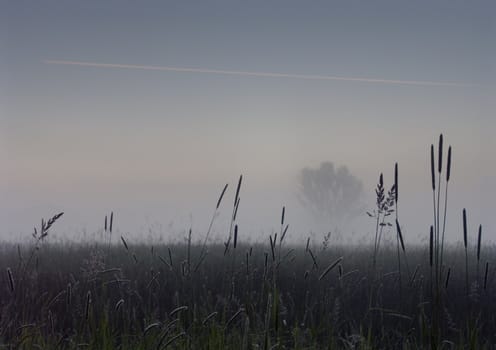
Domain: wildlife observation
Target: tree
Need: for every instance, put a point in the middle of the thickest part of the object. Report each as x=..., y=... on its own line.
x=331, y=195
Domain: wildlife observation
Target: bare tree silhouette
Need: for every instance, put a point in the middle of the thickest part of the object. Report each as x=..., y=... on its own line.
x=332, y=195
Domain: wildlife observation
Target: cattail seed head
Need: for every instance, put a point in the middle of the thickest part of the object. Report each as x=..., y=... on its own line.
x=282, y=215
x=448, y=168
x=465, y=228
x=433, y=175
x=440, y=149
x=235, y=236
x=111, y=221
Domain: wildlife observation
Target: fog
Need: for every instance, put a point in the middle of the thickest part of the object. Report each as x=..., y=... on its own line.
x=251, y=93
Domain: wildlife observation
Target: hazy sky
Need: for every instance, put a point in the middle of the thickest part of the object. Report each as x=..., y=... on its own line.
x=156, y=146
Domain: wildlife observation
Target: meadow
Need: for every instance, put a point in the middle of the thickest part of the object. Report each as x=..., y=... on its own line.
x=119, y=294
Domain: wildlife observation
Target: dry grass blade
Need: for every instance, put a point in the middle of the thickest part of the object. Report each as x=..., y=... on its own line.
x=87, y=306
x=447, y=278
x=479, y=239
x=398, y=229
x=396, y=182
x=221, y=196
x=313, y=259
x=173, y=339
x=11, y=280
x=485, y=274
x=238, y=189
x=431, y=246
x=150, y=327
x=119, y=304
x=330, y=267
x=284, y=233
x=177, y=310
x=231, y=320
x=209, y=317
x=125, y=243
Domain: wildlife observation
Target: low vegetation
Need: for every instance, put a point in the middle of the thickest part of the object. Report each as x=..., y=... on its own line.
x=271, y=295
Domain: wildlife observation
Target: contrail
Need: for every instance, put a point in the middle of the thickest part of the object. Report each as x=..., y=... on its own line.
x=258, y=74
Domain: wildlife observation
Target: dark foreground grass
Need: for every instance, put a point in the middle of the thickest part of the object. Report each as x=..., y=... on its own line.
x=266, y=296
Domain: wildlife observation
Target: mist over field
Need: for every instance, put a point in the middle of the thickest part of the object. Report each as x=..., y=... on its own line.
x=247, y=175
x=149, y=110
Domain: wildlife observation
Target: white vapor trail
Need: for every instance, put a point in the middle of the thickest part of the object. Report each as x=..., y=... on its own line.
x=257, y=74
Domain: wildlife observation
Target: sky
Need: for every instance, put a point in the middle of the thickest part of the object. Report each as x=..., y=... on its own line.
x=148, y=108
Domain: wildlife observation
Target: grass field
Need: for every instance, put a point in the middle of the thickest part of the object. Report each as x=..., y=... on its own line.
x=148, y=297
x=270, y=295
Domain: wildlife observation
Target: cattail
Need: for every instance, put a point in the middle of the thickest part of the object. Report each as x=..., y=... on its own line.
x=447, y=278
x=220, y=198
x=433, y=175
x=485, y=274
x=11, y=280
x=448, y=169
x=111, y=221
x=431, y=245
x=105, y=223
x=330, y=267
x=282, y=215
x=398, y=229
x=235, y=236
x=396, y=182
x=381, y=180
x=479, y=243
x=340, y=269
x=308, y=244
x=465, y=228
x=440, y=160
